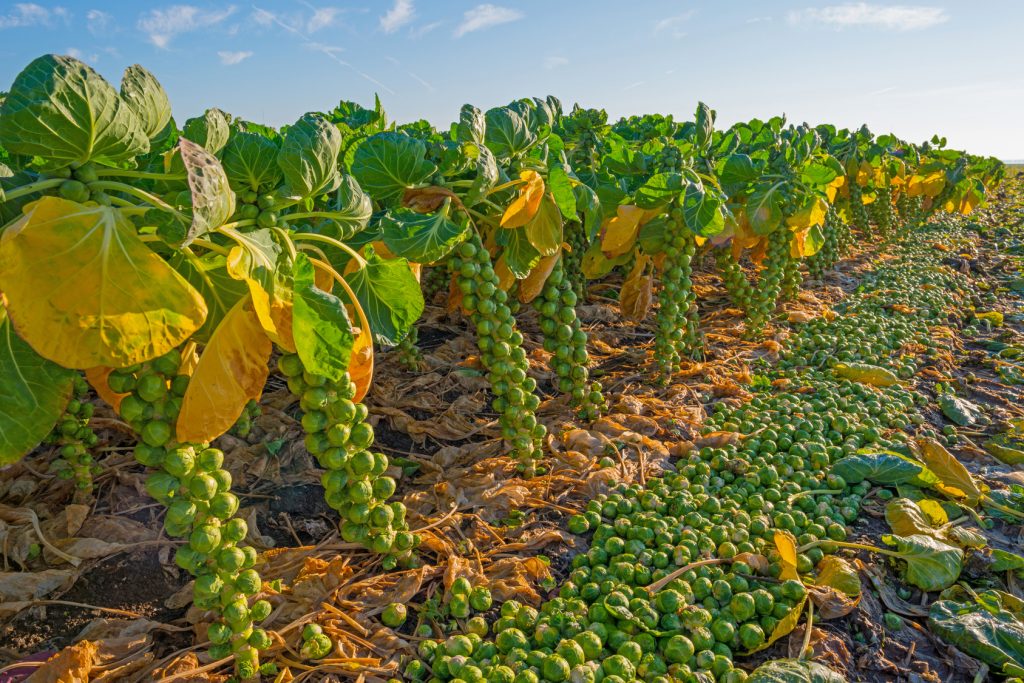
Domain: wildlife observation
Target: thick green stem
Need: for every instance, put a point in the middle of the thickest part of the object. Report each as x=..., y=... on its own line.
x=143, y=175
x=136, y=192
x=31, y=188
x=338, y=244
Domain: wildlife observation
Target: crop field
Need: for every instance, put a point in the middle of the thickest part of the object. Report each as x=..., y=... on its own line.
x=536, y=397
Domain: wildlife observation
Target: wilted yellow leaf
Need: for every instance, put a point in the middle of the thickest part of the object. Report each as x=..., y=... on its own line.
x=933, y=184
x=254, y=260
x=812, y=214
x=865, y=172
x=786, y=545
x=544, y=230
x=84, y=291
x=832, y=188
x=524, y=207
x=360, y=366
x=506, y=278
x=232, y=371
x=619, y=234
x=533, y=284
x=636, y=295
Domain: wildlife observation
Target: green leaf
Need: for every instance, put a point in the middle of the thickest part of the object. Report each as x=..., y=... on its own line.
x=421, y=238
x=794, y=671
x=321, y=328
x=818, y=174
x=992, y=635
x=147, y=98
x=390, y=296
x=210, y=131
x=471, y=125
x=386, y=164
x=520, y=256
x=486, y=173
x=736, y=170
x=702, y=211
x=814, y=240
x=886, y=467
x=209, y=276
x=63, y=111
x=350, y=208
x=960, y=410
x=250, y=160
x=561, y=188
x=588, y=203
x=931, y=564
x=309, y=156
x=659, y=190
x=213, y=201
x=507, y=134
x=1005, y=561
x=35, y=393
x=764, y=208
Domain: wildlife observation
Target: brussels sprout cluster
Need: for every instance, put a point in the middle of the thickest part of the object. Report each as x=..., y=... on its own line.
x=435, y=280
x=837, y=243
x=262, y=208
x=77, y=186
x=883, y=211
x=191, y=481
x=669, y=159
x=676, y=317
x=572, y=259
x=566, y=340
x=74, y=437
x=859, y=218
x=792, y=279
x=766, y=295
x=911, y=210
x=408, y=352
x=736, y=285
x=501, y=349
x=465, y=598
x=355, y=483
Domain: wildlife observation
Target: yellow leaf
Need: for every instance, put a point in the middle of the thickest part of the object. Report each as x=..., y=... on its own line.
x=232, y=371
x=784, y=627
x=544, y=231
x=635, y=297
x=596, y=264
x=506, y=278
x=524, y=207
x=253, y=262
x=620, y=232
x=812, y=214
x=832, y=188
x=84, y=291
x=954, y=479
x=533, y=284
x=933, y=184
x=360, y=366
x=934, y=511
x=865, y=172
x=786, y=545
x=969, y=202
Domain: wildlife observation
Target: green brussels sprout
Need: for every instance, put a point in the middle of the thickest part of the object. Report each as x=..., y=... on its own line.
x=249, y=582
x=219, y=633
x=260, y=610
x=317, y=647
x=205, y=538
x=162, y=486
x=224, y=505
x=394, y=615
x=260, y=639
x=234, y=530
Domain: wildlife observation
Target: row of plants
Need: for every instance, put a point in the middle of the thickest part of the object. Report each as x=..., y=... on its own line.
x=195, y=258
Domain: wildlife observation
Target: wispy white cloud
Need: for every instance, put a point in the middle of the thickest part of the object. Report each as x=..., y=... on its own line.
x=231, y=58
x=426, y=84
x=97, y=21
x=162, y=25
x=423, y=30
x=486, y=16
x=555, y=62
x=631, y=86
x=673, y=25
x=398, y=16
x=266, y=18
x=882, y=91
x=890, y=17
x=25, y=14
x=323, y=17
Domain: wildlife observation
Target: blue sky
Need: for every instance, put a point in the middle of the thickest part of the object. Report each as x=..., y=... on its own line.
x=949, y=67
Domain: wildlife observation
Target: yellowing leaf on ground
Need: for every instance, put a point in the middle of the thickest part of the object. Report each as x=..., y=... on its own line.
x=232, y=370
x=360, y=366
x=636, y=295
x=84, y=291
x=524, y=207
x=533, y=284
x=620, y=232
x=786, y=545
x=954, y=479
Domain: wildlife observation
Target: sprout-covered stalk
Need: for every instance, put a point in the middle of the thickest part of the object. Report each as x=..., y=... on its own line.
x=74, y=437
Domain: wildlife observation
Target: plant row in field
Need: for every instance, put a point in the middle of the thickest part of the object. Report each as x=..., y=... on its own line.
x=167, y=265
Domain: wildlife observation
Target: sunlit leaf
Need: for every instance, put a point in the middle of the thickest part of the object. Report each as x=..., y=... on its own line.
x=954, y=479
x=210, y=131
x=533, y=284
x=83, y=290
x=390, y=295
x=527, y=203
x=620, y=232
x=232, y=370
x=636, y=295
x=260, y=262
x=386, y=164
x=422, y=238
x=786, y=545
x=931, y=564
x=213, y=200
x=320, y=325
x=545, y=228
x=209, y=275
x=360, y=367
x=146, y=97
x=308, y=157
x=562, y=190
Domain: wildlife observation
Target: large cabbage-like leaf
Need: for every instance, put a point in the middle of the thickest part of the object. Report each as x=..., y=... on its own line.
x=421, y=238
x=350, y=208
x=210, y=131
x=883, y=468
x=35, y=392
x=321, y=328
x=250, y=160
x=471, y=125
x=83, y=290
x=507, y=133
x=931, y=564
x=387, y=164
x=213, y=201
x=309, y=155
x=390, y=295
x=659, y=190
x=147, y=98
x=702, y=211
x=794, y=671
x=983, y=629
x=63, y=111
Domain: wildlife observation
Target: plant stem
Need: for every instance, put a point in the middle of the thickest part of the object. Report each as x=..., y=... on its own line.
x=38, y=186
x=136, y=192
x=846, y=544
x=145, y=175
x=316, y=237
